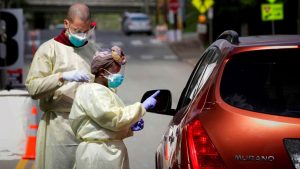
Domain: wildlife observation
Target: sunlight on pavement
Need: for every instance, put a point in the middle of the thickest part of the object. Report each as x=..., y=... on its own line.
x=22, y=164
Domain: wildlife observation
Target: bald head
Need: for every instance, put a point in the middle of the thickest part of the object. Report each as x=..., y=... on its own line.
x=79, y=10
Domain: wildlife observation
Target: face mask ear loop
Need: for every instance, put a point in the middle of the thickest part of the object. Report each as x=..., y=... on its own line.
x=107, y=72
x=69, y=32
x=89, y=33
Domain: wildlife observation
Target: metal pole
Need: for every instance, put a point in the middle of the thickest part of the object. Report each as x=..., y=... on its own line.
x=3, y=37
x=175, y=26
x=273, y=28
x=298, y=18
x=146, y=6
x=210, y=22
x=210, y=31
x=165, y=13
x=157, y=14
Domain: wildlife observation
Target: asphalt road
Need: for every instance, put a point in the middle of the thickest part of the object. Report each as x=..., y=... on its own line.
x=151, y=65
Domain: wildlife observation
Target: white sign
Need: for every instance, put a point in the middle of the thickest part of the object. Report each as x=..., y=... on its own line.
x=15, y=120
x=201, y=28
x=11, y=39
x=210, y=13
x=171, y=17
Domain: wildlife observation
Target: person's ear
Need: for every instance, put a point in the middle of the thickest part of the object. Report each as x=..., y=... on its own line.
x=66, y=23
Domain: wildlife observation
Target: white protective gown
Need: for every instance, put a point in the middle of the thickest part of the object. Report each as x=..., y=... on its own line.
x=101, y=120
x=56, y=143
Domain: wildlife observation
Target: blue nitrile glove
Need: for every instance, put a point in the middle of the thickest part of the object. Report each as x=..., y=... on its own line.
x=150, y=102
x=75, y=75
x=138, y=125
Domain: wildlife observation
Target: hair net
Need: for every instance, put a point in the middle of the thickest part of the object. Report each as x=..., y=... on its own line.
x=105, y=58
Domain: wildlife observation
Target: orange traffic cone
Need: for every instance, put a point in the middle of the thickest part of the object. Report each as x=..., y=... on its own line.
x=31, y=141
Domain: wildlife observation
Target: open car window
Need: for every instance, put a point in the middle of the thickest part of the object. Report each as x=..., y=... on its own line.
x=208, y=69
x=199, y=76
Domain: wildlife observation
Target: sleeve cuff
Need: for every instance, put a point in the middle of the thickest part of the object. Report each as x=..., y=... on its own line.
x=59, y=80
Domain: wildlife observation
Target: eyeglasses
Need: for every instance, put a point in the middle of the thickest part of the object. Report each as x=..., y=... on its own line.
x=79, y=33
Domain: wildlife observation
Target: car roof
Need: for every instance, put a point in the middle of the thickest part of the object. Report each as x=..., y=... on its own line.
x=231, y=39
x=269, y=40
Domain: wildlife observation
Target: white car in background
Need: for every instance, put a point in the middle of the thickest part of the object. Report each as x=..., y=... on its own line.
x=136, y=23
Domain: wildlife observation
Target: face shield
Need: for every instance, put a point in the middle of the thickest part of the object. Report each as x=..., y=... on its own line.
x=81, y=35
x=79, y=38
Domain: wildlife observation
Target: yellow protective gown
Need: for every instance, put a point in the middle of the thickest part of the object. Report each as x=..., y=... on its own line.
x=100, y=119
x=56, y=143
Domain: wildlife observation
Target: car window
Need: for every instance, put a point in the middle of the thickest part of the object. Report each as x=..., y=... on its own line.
x=208, y=67
x=266, y=81
x=139, y=18
x=199, y=76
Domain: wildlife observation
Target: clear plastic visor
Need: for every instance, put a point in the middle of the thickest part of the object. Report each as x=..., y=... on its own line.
x=81, y=35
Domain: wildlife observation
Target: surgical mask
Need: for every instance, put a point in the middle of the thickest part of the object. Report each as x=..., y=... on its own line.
x=115, y=80
x=77, y=39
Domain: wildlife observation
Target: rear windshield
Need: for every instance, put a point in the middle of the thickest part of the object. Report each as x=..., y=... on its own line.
x=139, y=18
x=265, y=81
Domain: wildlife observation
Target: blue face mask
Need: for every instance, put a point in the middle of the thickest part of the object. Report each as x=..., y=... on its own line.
x=115, y=80
x=76, y=40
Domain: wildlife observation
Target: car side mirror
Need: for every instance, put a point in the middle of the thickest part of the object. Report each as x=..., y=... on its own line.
x=164, y=101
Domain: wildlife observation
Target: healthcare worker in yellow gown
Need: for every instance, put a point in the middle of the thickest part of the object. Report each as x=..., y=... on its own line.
x=100, y=119
x=59, y=66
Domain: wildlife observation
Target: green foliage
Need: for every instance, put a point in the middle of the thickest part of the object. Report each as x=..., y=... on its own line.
x=247, y=3
x=252, y=3
x=191, y=18
x=109, y=21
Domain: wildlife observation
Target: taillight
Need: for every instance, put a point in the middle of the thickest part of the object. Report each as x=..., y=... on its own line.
x=202, y=152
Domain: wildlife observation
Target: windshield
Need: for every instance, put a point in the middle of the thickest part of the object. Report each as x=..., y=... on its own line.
x=139, y=18
x=265, y=81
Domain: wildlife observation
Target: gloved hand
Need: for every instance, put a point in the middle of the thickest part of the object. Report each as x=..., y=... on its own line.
x=75, y=75
x=138, y=125
x=150, y=102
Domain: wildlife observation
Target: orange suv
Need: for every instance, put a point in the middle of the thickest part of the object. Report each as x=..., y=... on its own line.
x=240, y=108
